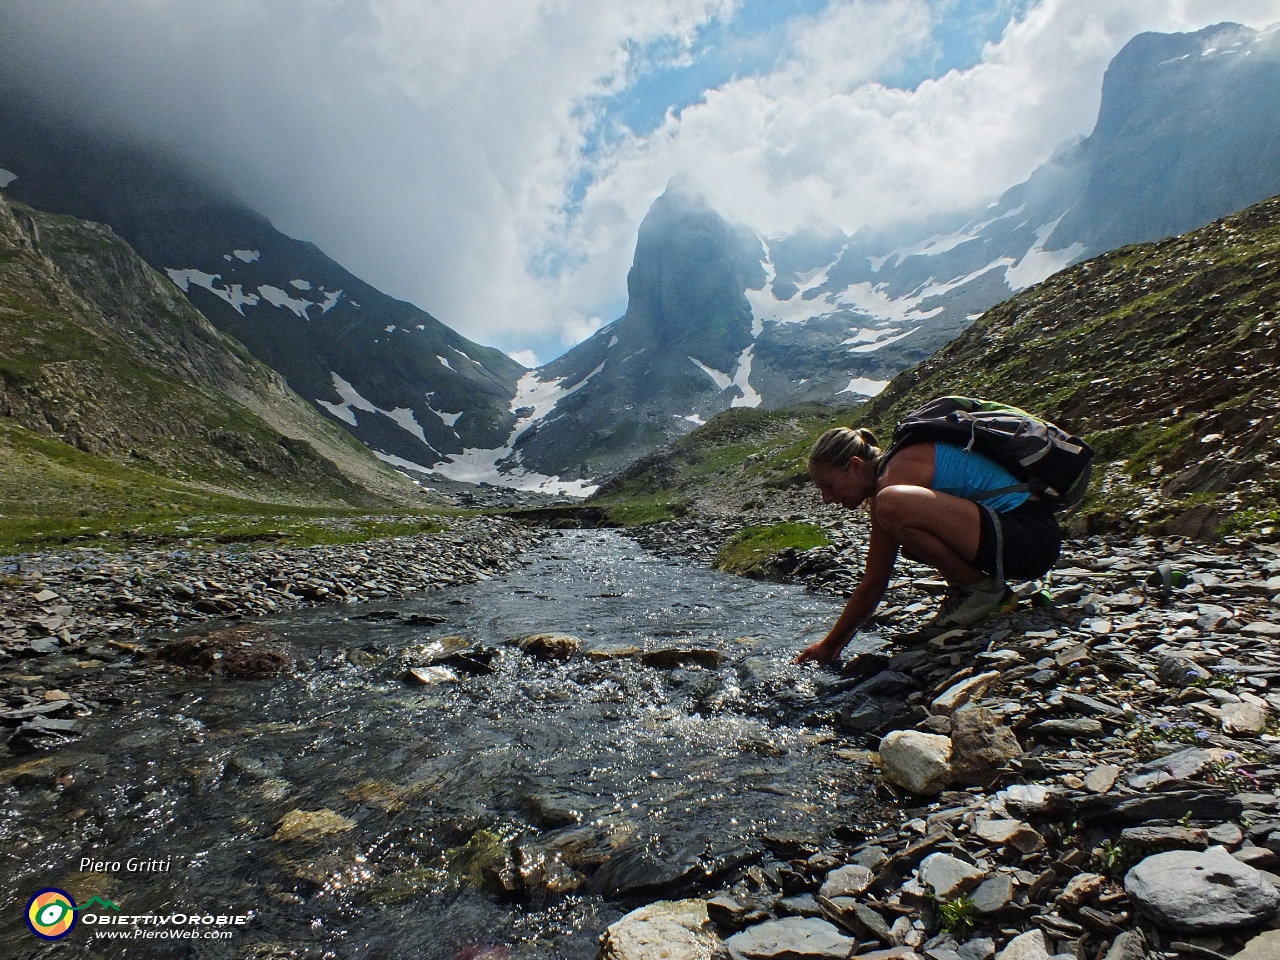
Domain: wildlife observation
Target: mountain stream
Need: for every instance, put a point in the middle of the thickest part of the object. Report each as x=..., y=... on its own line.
x=512, y=807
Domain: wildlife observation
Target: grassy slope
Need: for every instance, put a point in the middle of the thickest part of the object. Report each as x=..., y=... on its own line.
x=128, y=417
x=1163, y=355
x=741, y=459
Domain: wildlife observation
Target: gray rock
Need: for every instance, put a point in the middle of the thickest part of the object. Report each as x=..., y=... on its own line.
x=1068, y=727
x=873, y=922
x=980, y=745
x=993, y=894
x=1243, y=718
x=948, y=876
x=1157, y=839
x=1226, y=834
x=1131, y=945
x=964, y=692
x=1177, y=672
x=1200, y=892
x=919, y=762
x=666, y=930
x=1025, y=946
x=848, y=881
x=1265, y=946
x=979, y=948
x=1122, y=810
x=793, y=938
x=1102, y=778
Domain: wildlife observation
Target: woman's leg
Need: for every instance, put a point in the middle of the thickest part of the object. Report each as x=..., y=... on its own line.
x=942, y=530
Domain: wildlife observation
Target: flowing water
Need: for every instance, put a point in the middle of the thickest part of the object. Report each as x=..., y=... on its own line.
x=520, y=809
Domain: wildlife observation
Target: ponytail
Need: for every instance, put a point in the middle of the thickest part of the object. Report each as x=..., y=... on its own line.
x=840, y=445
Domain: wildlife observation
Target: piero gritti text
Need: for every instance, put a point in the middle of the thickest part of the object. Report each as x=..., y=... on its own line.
x=132, y=865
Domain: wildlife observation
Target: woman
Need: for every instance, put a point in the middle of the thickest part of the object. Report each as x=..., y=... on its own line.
x=917, y=501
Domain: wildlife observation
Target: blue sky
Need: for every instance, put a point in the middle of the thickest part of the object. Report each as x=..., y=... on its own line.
x=491, y=161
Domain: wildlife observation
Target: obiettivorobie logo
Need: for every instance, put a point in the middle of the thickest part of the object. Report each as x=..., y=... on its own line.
x=51, y=913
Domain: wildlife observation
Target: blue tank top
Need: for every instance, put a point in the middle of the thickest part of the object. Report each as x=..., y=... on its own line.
x=964, y=474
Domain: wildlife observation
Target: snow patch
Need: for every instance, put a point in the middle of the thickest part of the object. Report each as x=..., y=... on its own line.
x=352, y=401
x=278, y=298
x=875, y=345
x=613, y=341
x=448, y=419
x=233, y=294
x=300, y=284
x=248, y=256
x=400, y=462
x=482, y=465
x=721, y=380
x=331, y=301
x=1038, y=263
x=6, y=177
x=694, y=418
x=864, y=387
x=444, y=361
x=741, y=380
x=390, y=328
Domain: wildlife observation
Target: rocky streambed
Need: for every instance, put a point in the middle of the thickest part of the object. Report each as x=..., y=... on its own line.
x=1092, y=776
x=73, y=624
x=600, y=752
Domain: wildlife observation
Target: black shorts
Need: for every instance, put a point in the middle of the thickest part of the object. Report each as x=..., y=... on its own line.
x=1030, y=537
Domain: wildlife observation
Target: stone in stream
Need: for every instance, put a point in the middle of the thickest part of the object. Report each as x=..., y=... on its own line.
x=671, y=658
x=847, y=881
x=980, y=745
x=652, y=865
x=919, y=762
x=1194, y=892
x=311, y=825
x=793, y=938
x=666, y=930
x=429, y=676
x=549, y=646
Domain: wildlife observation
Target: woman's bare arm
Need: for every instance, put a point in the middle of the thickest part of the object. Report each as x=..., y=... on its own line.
x=881, y=555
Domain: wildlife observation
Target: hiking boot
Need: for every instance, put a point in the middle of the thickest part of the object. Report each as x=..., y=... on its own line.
x=965, y=606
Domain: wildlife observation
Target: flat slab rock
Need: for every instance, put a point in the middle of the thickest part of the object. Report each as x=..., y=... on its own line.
x=1198, y=892
x=794, y=938
x=666, y=930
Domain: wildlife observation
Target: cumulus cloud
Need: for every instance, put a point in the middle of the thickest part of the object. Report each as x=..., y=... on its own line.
x=440, y=149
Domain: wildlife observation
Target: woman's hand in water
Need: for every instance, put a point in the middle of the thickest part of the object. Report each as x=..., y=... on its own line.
x=822, y=653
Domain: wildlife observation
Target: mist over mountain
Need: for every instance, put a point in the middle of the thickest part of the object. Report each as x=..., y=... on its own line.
x=1188, y=130
x=412, y=389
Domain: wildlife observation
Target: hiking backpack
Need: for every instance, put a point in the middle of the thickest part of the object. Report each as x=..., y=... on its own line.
x=1046, y=460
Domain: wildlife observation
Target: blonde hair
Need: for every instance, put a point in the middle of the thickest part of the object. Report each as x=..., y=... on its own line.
x=839, y=445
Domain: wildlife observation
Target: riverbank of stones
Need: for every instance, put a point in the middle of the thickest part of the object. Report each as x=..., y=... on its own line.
x=72, y=624
x=1092, y=776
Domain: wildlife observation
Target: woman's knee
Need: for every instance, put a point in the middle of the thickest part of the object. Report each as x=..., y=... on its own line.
x=897, y=505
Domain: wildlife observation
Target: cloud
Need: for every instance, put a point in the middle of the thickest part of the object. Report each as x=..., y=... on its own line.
x=465, y=156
